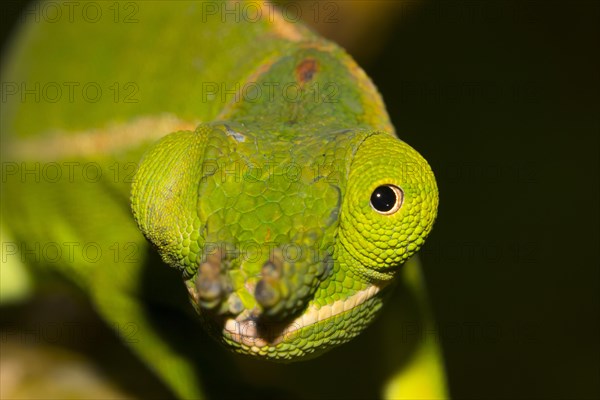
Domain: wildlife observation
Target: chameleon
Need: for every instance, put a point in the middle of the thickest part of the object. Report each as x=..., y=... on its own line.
x=236, y=146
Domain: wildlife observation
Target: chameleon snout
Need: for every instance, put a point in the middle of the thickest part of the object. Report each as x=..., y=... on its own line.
x=275, y=286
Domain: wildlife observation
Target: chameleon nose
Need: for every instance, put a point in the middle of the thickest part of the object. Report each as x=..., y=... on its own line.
x=286, y=284
x=275, y=286
x=211, y=283
x=268, y=290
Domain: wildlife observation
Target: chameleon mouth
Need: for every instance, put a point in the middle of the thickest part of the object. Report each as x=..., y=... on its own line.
x=249, y=332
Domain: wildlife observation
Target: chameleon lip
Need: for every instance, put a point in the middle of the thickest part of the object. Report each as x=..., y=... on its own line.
x=245, y=331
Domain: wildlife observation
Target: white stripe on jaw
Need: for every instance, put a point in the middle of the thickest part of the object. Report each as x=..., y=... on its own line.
x=245, y=331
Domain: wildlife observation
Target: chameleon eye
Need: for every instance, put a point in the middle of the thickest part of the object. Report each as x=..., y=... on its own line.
x=387, y=199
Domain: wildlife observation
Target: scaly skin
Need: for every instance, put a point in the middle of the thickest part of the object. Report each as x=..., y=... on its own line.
x=261, y=199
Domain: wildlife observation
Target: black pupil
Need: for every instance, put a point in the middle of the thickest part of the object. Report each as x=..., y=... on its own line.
x=383, y=198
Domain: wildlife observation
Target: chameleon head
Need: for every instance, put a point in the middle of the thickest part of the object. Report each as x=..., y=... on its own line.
x=287, y=247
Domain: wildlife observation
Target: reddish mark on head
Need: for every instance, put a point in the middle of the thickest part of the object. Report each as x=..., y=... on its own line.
x=306, y=70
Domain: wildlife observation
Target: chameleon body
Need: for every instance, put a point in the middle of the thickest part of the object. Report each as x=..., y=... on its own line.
x=257, y=159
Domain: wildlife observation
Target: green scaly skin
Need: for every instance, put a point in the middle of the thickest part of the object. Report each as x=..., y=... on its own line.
x=263, y=208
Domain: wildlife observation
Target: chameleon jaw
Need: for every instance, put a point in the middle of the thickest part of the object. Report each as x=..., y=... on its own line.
x=245, y=332
x=248, y=330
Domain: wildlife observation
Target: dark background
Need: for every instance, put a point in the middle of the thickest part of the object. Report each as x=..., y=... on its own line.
x=502, y=98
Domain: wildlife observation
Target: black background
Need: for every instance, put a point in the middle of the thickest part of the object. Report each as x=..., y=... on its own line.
x=502, y=98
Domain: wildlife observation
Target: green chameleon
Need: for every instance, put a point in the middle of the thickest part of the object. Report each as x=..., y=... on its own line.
x=254, y=157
